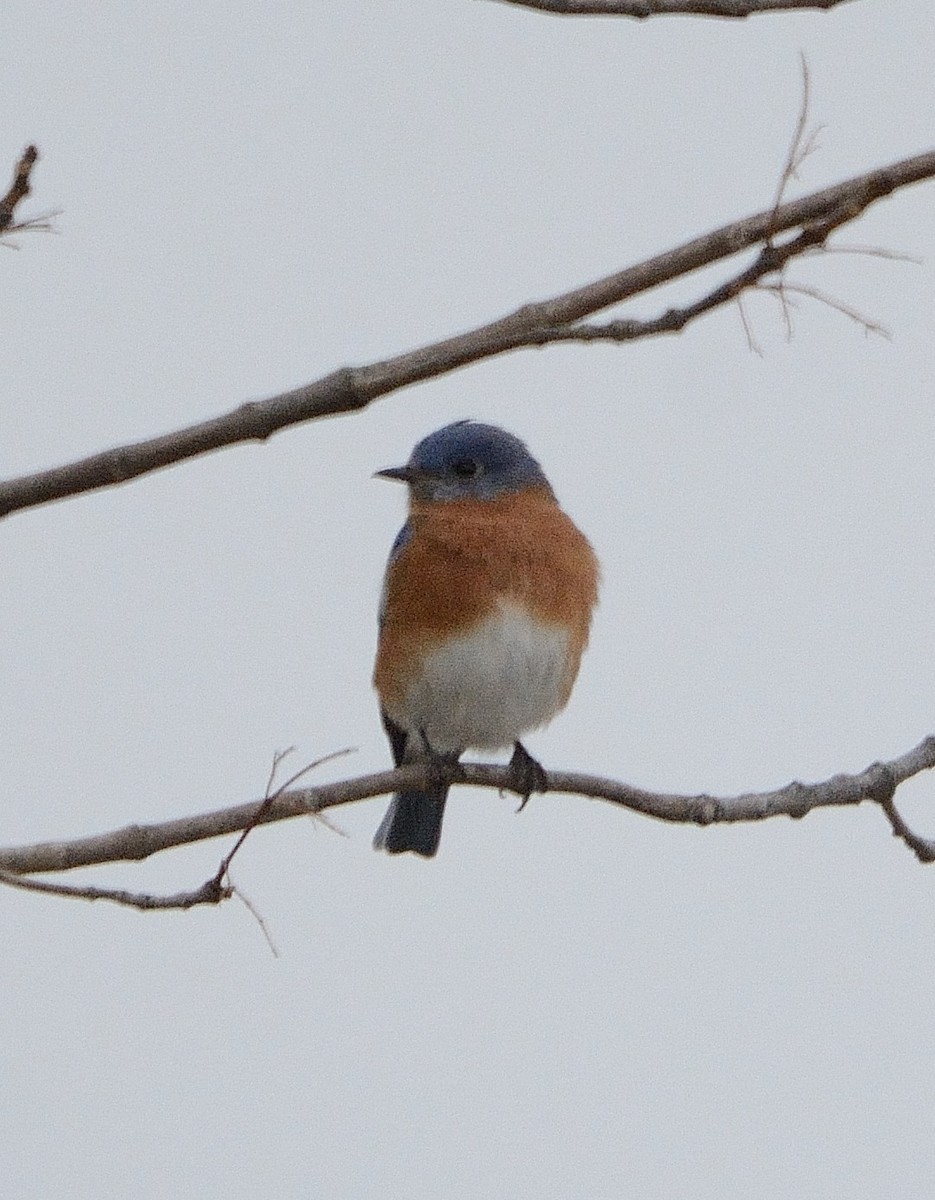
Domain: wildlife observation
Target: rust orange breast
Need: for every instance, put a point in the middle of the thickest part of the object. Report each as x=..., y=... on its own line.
x=464, y=556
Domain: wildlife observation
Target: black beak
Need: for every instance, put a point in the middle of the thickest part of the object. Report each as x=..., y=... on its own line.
x=401, y=474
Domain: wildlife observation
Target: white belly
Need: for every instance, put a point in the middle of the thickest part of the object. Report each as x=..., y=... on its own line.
x=488, y=688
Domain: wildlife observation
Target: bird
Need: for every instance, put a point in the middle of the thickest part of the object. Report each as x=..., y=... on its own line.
x=484, y=614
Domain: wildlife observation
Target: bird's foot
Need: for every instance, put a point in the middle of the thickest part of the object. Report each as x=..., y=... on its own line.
x=445, y=767
x=528, y=775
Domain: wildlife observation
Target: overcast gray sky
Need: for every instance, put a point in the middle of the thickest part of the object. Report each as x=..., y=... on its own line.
x=577, y=1002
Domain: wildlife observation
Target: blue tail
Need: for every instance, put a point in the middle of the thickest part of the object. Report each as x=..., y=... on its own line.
x=413, y=822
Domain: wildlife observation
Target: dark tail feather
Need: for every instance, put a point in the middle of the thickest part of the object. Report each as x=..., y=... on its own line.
x=413, y=822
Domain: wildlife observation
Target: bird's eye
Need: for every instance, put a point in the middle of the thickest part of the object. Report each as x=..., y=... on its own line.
x=466, y=468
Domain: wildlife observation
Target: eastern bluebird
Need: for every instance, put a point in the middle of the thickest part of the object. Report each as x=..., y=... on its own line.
x=485, y=612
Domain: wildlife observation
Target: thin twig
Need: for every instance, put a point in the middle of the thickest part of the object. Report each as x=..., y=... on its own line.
x=874, y=252
x=269, y=800
x=254, y=912
x=752, y=344
x=783, y=288
x=786, y=306
x=801, y=145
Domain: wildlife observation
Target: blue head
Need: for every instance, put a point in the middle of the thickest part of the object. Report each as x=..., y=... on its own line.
x=468, y=461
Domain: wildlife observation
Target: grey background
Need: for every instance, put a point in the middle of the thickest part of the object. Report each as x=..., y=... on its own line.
x=573, y=1003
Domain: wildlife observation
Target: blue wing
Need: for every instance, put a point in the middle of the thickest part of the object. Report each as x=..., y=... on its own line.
x=397, y=548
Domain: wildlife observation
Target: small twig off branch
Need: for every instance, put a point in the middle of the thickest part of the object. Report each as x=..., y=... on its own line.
x=771, y=260
x=267, y=803
x=877, y=784
x=213, y=891
x=804, y=141
x=18, y=190
x=785, y=293
x=207, y=893
x=353, y=388
x=643, y=9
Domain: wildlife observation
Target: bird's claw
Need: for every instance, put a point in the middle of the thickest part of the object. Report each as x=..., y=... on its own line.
x=528, y=775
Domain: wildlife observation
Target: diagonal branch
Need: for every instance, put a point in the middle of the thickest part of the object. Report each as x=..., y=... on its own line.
x=641, y=9
x=877, y=784
x=353, y=388
x=771, y=260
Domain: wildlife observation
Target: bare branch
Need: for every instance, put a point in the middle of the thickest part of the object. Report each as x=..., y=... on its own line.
x=876, y=784
x=641, y=9
x=213, y=891
x=771, y=260
x=208, y=893
x=353, y=388
x=18, y=190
